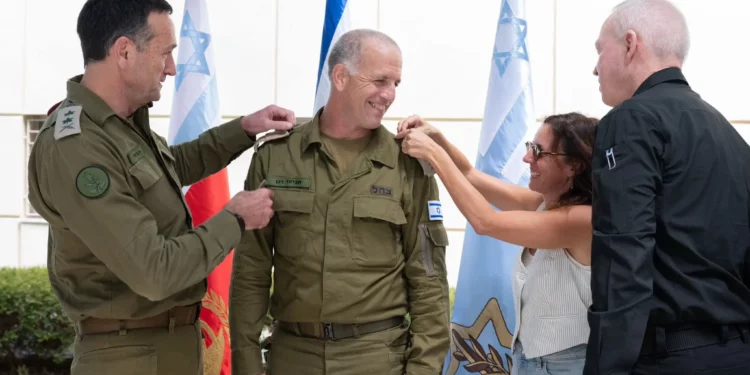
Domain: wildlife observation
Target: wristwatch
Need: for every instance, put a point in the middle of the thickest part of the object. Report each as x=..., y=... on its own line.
x=241, y=222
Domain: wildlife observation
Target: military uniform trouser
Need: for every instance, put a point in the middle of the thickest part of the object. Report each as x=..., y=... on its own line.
x=378, y=353
x=143, y=351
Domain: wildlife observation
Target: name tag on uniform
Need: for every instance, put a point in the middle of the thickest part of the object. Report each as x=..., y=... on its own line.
x=435, y=209
x=288, y=182
x=135, y=154
x=381, y=190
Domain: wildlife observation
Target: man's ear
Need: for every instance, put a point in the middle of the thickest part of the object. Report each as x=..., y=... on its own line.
x=340, y=76
x=632, y=44
x=123, y=51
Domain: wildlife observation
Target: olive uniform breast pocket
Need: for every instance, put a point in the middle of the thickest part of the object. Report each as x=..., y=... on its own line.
x=376, y=231
x=293, y=210
x=147, y=172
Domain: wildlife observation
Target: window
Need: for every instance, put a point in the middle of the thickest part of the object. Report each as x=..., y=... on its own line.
x=33, y=124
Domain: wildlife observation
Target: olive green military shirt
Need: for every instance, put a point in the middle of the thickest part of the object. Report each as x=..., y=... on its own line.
x=345, y=248
x=121, y=240
x=344, y=151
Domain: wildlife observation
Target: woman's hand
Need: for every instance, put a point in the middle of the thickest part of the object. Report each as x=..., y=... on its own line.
x=418, y=144
x=418, y=124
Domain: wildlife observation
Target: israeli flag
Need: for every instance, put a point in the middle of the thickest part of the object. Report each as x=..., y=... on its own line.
x=195, y=109
x=483, y=319
x=195, y=106
x=337, y=22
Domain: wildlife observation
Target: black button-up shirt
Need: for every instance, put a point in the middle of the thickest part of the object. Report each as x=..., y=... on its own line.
x=671, y=220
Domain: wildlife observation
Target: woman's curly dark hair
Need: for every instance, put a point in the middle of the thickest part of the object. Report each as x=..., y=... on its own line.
x=573, y=134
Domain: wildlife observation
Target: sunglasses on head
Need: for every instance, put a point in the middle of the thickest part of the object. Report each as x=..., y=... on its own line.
x=537, y=151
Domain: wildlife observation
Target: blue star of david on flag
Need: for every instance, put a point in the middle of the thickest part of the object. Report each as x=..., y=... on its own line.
x=502, y=59
x=197, y=63
x=484, y=317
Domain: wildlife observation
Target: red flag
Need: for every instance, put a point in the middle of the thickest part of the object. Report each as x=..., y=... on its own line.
x=205, y=199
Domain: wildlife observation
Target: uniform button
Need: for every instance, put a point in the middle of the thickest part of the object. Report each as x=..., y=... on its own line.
x=521, y=276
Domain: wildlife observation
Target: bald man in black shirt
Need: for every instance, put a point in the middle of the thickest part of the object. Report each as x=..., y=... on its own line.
x=670, y=267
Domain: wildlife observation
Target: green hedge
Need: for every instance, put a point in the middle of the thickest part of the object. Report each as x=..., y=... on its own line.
x=35, y=336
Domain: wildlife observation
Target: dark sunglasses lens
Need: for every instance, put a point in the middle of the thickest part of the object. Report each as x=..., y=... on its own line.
x=531, y=146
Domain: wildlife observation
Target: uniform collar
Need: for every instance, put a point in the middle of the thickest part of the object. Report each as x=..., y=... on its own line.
x=382, y=148
x=665, y=75
x=311, y=134
x=94, y=106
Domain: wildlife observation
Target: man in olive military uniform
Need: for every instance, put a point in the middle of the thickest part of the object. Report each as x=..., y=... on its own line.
x=124, y=259
x=356, y=243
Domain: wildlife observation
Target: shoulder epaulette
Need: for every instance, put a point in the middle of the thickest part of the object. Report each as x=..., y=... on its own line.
x=274, y=135
x=67, y=121
x=426, y=167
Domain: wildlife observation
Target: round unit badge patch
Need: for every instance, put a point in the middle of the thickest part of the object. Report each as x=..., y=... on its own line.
x=92, y=182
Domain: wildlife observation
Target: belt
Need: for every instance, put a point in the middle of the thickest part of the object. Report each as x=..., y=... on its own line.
x=177, y=316
x=662, y=339
x=336, y=331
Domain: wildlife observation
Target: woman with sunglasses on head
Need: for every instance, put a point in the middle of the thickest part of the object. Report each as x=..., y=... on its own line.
x=551, y=219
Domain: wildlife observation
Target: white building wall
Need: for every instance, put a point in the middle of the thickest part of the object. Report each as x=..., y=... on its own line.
x=267, y=52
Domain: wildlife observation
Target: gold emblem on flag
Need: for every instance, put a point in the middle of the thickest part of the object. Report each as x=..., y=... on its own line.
x=213, y=356
x=480, y=360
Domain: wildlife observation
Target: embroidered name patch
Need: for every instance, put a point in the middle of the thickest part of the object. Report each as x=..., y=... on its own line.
x=288, y=182
x=135, y=154
x=435, y=209
x=380, y=190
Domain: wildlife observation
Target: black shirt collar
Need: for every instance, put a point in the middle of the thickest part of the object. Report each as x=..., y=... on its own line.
x=665, y=75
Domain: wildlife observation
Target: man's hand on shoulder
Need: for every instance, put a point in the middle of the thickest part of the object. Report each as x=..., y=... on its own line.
x=270, y=118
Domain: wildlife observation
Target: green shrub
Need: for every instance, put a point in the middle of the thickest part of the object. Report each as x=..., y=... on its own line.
x=34, y=333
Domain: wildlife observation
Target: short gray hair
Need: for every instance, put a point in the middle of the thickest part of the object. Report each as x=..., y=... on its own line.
x=348, y=48
x=661, y=25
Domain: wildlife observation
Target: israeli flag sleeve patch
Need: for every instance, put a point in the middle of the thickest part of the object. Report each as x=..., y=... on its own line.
x=435, y=209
